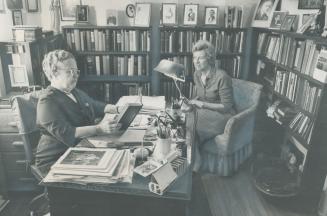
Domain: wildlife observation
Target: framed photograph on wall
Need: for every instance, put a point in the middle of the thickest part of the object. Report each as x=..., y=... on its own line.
x=112, y=17
x=2, y=6
x=264, y=12
x=82, y=13
x=68, y=9
x=310, y=4
x=190, y=14
x=168, y=14
x=14, y=4
x=17, y=18
x=211, y=15
x=142, y=14
x=277, y=19
x=32, y=5
x=18, y=75
x=288, y=23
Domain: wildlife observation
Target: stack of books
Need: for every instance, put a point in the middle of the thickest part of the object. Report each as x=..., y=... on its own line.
x=89, y=165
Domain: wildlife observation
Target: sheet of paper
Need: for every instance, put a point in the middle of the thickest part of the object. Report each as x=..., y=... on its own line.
x=165, y=176
x=20, y=34
x=15, y=59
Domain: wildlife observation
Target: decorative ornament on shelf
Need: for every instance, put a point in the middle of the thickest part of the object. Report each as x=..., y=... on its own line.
x=55, y=16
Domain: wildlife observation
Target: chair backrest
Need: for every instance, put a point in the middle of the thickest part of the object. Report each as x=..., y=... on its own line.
x=24, y=108
x=246, y=94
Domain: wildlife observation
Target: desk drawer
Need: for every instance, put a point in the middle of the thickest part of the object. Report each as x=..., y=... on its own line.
x=7, y=121
x=14, y=161
x=11, y=142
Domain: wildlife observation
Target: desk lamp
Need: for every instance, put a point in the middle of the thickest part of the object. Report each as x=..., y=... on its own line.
x=173, y=70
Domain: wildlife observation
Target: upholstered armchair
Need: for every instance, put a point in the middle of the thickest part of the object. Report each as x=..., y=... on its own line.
x=226, y=152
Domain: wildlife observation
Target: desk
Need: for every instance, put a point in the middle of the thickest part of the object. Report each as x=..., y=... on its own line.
x=69, y=199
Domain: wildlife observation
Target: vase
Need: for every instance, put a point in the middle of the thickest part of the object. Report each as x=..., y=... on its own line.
x=162, y=148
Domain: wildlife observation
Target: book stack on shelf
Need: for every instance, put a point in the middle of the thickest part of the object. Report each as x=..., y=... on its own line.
x=177, y=42
x=233, y=16
x=292, y=68
x=108, y=54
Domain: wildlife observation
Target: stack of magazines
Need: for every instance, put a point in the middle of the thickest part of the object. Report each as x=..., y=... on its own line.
x=89, y=165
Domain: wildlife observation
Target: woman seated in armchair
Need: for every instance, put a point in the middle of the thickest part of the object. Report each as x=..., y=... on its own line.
x=66, y=114
x=212, y=98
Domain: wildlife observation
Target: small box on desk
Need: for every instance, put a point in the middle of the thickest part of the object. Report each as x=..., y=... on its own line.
x=26, y=33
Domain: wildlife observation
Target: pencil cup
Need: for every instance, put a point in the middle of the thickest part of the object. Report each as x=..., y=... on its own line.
x=162, y=148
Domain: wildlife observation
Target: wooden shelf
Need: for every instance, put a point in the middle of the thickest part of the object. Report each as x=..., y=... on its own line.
x=219, y=55
x=113, y=78
x=105, y=27
x=118, y=53
x=201, y=28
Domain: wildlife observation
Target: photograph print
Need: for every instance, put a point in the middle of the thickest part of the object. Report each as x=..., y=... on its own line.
x=68, y=9
x=211, y=15
x=310, y=4
x=277, y=19
x=142, y=14
x=190, y=14
x=82, y=13
x=263, y=13
x=169, y=14
x=288, y=23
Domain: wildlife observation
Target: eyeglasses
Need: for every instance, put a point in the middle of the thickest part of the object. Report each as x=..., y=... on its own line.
x=73, y=72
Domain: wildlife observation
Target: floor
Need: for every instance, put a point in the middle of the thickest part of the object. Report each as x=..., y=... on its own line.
x=212, y=196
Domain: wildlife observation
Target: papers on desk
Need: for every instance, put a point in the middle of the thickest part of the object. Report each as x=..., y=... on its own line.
x=151, y=105
x=89, y=165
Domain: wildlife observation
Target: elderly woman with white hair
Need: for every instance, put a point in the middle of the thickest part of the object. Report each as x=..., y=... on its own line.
x=66, y=114
x=213, y=96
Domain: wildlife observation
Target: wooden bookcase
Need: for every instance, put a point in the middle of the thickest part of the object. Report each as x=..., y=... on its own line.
x=114, y=60
x=28, y=55
x=284, y=63
x=176, y=44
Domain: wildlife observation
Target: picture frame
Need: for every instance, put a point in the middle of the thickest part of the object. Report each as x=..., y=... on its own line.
x=82, y=13
x=306, y=23
x=142, y=14
x=18, y=75
x=2, y=6
x=288, y=23
x=68, y=9
x=309, y=5
x=32, y=5
x=112, y=17
x=169, y=13
x=190, y=14
x=14, y=4
x=17, y=17
x=211, y=16
x=277, y=19
x=264, y=12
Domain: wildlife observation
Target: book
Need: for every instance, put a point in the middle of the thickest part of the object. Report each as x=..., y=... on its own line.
x=320, y=71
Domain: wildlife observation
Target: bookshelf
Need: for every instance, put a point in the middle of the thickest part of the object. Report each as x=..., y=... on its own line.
x=114, y=60
x=284, y=64
x=27, y=55
x=176, y=44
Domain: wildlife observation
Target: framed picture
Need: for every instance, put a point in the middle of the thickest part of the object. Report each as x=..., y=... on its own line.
x=288, y=23
x=211, y=16
x=190, y=14
x=18, y=76
x=142, y=14
x=263, y=13
x=277, y=19
x=32, y=5
x=14, y=4
x=82, y=13
x=112, y=17
x=17, y=18
x=308, y=21
x=310, y=4
x=130, y=10
x=68, y=9
x=168, y=14
x=2, y=6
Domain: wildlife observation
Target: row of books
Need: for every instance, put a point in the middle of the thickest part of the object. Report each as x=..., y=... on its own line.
x=107, y=40
x=231, y=65
x=170, y=91
x=114, y=91
x=186, y=61
x=298, y=90
x=128, y=65
x=183, y=41
x=302, y=125
x=233, y=16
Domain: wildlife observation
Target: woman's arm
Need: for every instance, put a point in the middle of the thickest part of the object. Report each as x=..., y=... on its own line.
x=211, y=106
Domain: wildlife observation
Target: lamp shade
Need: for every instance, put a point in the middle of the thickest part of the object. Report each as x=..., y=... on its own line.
x=171, y=69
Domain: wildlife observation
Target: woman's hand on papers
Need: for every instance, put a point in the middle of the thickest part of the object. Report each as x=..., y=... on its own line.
x=197, y=103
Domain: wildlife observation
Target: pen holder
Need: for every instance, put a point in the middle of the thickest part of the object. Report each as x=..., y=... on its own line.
x=162, y=148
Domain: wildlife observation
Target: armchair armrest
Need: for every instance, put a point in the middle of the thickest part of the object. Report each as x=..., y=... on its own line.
x=238, y=132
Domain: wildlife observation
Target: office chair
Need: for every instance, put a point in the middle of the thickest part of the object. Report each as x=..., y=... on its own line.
x=24, y=108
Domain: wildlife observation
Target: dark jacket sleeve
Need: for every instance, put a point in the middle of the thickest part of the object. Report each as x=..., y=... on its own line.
x=51, y=119
x=225, y=89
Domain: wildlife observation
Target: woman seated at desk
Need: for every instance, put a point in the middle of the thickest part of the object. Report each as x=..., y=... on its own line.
x=213, y=96
x=66, y=114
